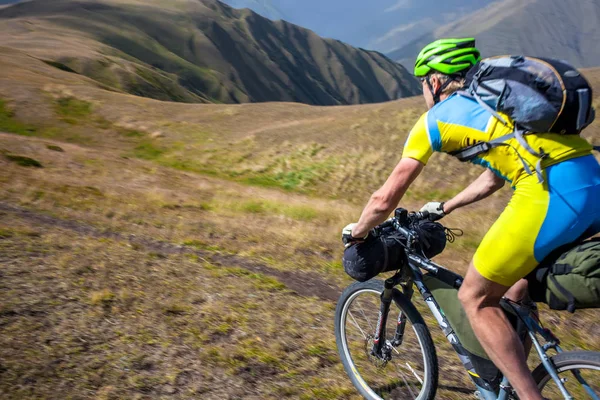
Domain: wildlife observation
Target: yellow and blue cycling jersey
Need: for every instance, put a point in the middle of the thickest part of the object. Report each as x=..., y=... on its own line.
x=459, y=122
x=539, y=217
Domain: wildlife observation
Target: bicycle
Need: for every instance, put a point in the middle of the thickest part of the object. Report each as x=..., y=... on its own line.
x=363, y=309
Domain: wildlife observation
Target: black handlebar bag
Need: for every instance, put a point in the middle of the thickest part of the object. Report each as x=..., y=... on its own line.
x=377, y=254
x=384, y=251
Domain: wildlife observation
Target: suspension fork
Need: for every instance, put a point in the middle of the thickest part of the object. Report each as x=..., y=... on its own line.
x=401, y=325
x=386, y=301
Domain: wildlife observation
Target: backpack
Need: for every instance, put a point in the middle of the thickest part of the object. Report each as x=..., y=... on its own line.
x=539, y=94
x=570, y=282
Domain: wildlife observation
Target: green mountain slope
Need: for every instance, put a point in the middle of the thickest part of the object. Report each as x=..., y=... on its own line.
x=567, y=30
x=200, y=51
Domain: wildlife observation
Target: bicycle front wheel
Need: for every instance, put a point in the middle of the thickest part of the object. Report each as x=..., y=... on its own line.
x=410, y=370
x=579, y=371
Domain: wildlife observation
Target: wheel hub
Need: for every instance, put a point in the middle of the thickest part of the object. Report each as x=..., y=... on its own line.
x=378, y=360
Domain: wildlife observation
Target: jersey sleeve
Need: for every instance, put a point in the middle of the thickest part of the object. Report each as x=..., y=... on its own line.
x=418, y=144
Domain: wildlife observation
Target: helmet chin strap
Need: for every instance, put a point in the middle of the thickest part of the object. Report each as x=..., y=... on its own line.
x=436, y=94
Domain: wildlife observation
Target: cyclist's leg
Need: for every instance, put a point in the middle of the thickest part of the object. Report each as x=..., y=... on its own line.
x=519, y=293
x=480, y=298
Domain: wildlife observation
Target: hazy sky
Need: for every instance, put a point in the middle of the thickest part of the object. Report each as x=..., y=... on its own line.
x=374, y=24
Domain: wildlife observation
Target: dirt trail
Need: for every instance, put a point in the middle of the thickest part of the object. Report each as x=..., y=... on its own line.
x=302, y=284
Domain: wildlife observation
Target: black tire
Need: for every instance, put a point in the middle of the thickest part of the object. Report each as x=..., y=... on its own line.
x=586, y=362
x=416, y=366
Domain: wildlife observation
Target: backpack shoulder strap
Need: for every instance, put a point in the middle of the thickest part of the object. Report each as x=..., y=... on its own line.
x=469, y=153
x=474, y=95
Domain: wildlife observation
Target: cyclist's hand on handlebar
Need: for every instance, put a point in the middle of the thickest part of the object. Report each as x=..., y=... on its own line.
x=347, y=237
x=435, y=210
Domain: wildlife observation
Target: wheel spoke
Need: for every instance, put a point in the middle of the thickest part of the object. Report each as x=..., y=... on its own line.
x=408, y=386
x=357, y=325
x=371, y=327
x=414, y=373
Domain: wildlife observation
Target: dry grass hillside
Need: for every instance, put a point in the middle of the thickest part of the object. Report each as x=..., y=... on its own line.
x=200, y=51
x=165, y=250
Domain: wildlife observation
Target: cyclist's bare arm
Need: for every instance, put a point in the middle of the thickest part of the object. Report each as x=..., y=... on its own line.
x=386, y=199
x=486, y=184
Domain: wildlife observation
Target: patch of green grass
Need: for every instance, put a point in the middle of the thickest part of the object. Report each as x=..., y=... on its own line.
x=288, y=180
x=72, y=110
x=102, y=297
x=9, y=124
x=147, y=150
x=301, y=213
x=80, y=192
x=5, y=234
x=131, y=133
x=318, y=350
x=260, y=281
x=253, y=207
x=145, y=384
x=204, y=206
x=37, y=195
x=24, y=232
x=182, y=165
x=254, y=350
x=55, y=148
x=199, y=244
x=293, y=175
x=263, y=207
x=332, y=267
x=23, y=161
x=300, y=171
x=469, y=244
x=438, y=195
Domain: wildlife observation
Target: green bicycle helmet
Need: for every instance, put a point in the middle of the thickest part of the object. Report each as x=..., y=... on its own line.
x=447, y=56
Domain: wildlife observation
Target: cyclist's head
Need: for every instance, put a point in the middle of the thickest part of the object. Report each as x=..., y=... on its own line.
x=443, y=64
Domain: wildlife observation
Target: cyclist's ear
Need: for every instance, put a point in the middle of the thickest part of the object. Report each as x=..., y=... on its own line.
x=435, y=83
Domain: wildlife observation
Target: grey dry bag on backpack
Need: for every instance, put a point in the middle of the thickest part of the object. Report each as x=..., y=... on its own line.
x=539, y=94
x=570, y=282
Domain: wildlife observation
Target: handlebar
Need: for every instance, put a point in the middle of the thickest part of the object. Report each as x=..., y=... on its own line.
x=402, y=222
x=403, y=219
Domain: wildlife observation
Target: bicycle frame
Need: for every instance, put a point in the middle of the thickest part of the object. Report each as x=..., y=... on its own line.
x=529, y=321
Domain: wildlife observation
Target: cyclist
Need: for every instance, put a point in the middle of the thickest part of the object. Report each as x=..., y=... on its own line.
x=538, y=218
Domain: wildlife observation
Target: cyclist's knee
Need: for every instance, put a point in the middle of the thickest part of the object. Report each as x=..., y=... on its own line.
x=518, y=291
x=478, y=292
